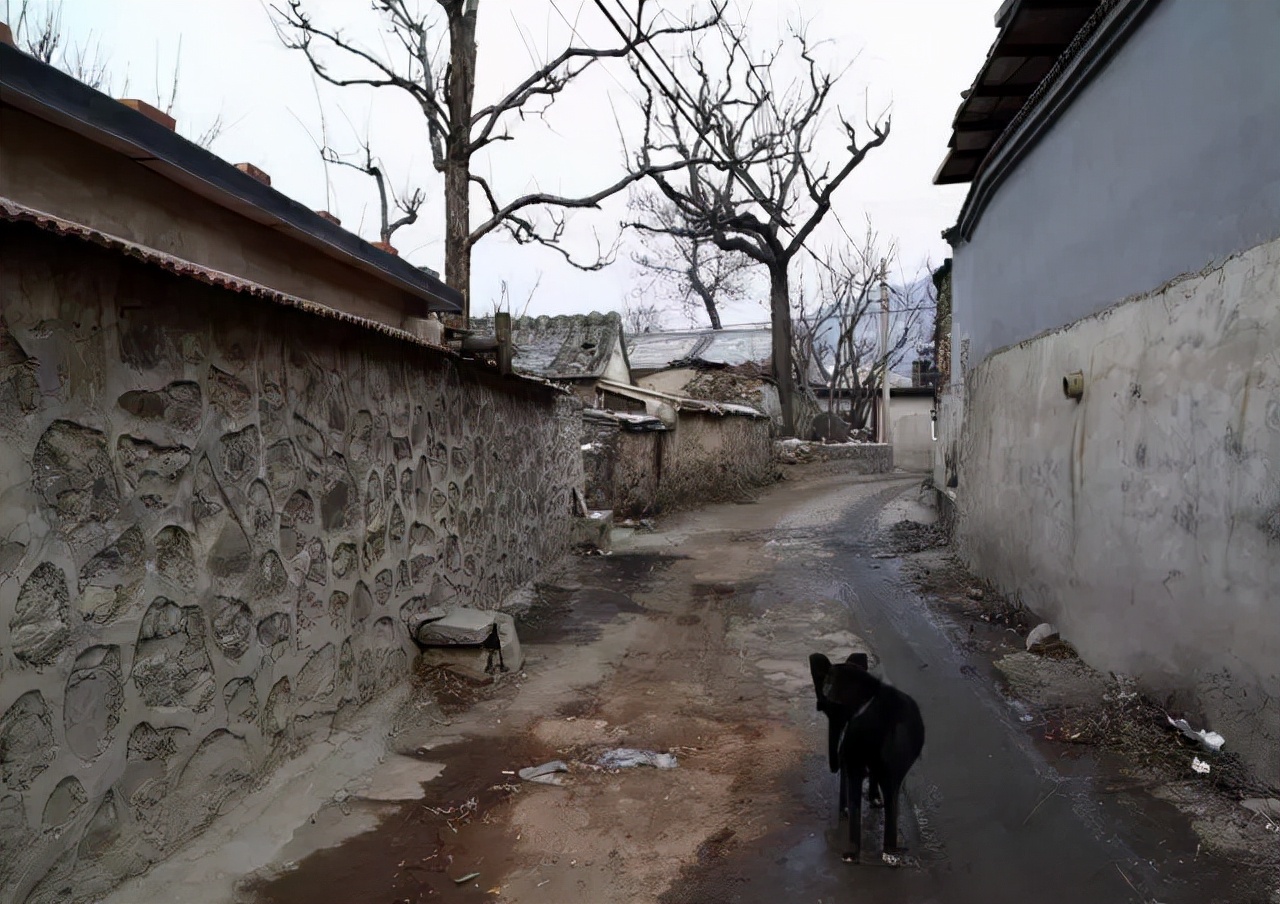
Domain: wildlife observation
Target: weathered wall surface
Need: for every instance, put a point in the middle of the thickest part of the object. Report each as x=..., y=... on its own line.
x=707, y=458
x=53, y=170
x=1163, y=163
x=215, y=517
x=713, y=458
x=1145, y=519
x=911, y=426
x=600, y=441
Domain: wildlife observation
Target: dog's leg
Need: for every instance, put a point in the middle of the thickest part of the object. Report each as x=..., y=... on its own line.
x=854, y=786
x=891, y=794
x=843, y=812
x=874, y=783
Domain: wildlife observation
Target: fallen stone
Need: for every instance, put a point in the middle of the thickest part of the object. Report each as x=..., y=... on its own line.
x=1041, y=633
x=486, y=632
x=593, y=529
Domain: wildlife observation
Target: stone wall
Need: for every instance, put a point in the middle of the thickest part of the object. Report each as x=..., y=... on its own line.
x=216, y=514
x=849, y=458
x=1144, y=519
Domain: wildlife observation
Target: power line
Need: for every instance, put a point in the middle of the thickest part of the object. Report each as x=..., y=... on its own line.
x=677, y=105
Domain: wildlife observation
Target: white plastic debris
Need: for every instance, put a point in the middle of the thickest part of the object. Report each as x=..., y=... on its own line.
x=626, y=757
x=1210, y=739
x=1040, y=633
x=546, y=774
x=1200, y=765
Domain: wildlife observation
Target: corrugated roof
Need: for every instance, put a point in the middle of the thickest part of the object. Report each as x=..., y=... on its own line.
x=732, y=346
x=563, y=347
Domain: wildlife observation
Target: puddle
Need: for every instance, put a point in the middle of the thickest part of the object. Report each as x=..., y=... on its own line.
x=572, y=615
x=419, y=848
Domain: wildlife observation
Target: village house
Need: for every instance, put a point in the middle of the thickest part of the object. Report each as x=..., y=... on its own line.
x=230, y=474
x=574, y=350
x=1110, y=426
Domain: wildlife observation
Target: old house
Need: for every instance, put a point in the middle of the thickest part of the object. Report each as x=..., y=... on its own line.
x=732, y=364
x=1111, y=426
x=228, y=476
x=574, y=350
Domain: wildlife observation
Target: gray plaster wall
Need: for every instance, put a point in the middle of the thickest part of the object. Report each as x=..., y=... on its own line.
x=216, y=516
x=911, y=426
x=1164, y=163
x=1144, y=520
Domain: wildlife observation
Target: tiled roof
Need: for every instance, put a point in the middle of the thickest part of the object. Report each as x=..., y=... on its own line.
x=564, y=347
x=732, y=346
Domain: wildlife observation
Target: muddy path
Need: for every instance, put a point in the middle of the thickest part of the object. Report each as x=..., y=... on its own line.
x=694, y=640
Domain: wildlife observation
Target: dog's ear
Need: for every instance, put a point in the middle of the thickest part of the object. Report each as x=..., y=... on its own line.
x=820, y=668
x=860, y=660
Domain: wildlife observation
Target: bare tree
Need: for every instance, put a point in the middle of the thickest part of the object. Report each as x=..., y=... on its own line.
x=433, y=60
x=765, y=189
x=840, y=337
x=38, y=31
x=407, y=203
x=694, y=272
x=641, y=317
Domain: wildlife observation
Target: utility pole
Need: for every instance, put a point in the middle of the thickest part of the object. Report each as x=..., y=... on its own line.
x=886, y=435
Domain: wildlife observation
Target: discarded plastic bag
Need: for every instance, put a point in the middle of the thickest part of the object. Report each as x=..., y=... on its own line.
x=546, y=774
x=1210, y=739
x=626, y=757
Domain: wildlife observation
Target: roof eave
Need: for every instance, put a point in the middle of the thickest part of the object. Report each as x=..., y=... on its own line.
x=55, y=97
x=1012, y=146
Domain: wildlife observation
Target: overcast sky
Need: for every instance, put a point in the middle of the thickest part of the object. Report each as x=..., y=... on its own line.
x=912, y=57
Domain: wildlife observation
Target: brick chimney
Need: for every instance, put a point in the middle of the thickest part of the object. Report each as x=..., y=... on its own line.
x=387, y=247
x=153, y=114
x=6, y=35
x=250, y=170
x=325, y=215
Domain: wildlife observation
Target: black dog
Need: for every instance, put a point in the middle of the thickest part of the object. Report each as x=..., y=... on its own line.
x=875, y=730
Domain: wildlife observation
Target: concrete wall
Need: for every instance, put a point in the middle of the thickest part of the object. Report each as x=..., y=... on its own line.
x=215, y=516
x=1166, y=161
x=55, y=171
x=1145, y=519
x=911, y=423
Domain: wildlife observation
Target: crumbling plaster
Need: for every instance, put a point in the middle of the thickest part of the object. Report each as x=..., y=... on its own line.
x=215, y=518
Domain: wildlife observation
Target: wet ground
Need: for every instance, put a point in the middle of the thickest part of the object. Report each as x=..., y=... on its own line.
x=694, y=640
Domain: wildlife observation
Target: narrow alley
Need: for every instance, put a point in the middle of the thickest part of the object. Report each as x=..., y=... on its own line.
x=694, y=640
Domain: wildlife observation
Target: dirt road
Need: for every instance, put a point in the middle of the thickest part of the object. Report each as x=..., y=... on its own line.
x=694, y=639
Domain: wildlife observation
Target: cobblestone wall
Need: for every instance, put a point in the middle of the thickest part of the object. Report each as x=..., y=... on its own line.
x=216, y=515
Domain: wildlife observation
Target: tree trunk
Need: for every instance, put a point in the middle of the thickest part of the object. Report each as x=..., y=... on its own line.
x=457, y=182
x=713, y=313
x=700, y=289
x=457, y=232
x=783, y=370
